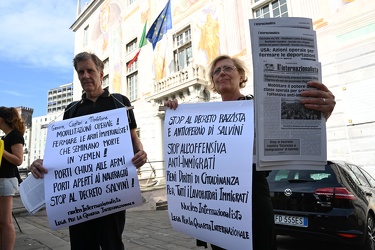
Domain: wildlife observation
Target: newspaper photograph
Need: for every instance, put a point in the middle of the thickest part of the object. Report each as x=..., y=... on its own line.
x=288, y=133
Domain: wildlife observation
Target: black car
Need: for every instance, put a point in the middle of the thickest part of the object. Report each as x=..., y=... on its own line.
x=336, y=204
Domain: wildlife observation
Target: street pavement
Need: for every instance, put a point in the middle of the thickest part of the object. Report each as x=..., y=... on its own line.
x=144, y=229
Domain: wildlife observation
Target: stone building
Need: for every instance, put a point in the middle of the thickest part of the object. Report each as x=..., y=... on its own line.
x=203, y=29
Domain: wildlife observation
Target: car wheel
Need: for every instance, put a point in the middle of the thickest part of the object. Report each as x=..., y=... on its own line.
x=370, y=234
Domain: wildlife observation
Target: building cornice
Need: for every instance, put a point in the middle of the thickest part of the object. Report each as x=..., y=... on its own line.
x=87, y=13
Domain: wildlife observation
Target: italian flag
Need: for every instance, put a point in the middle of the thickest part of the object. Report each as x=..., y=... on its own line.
x=142, y=43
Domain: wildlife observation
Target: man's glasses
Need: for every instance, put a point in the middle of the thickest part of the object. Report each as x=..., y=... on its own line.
x=226, y=68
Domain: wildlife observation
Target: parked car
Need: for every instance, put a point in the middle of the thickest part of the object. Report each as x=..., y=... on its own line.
x=336, y=203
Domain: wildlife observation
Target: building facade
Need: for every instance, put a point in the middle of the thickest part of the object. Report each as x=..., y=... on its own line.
x=26, y=114
x=59, y=98
x=204, y=29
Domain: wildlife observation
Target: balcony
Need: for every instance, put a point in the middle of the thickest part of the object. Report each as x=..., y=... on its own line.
x=190, y=82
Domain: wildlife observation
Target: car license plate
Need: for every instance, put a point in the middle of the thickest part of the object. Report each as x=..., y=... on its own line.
x=296, y=221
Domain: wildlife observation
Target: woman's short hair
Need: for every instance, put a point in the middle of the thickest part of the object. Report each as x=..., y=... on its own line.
x=240, y=66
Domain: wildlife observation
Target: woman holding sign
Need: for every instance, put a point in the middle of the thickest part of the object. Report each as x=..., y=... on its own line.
x=227, y=76
x=13, y=126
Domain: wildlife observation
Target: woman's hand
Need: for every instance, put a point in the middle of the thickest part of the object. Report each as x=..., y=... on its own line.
x=319, y=98
x=37, y=169
x=173, y=104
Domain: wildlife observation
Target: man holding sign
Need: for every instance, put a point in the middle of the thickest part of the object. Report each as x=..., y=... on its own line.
x=103, y=232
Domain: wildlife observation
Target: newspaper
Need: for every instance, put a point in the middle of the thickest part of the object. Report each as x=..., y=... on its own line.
x=285, y=58
x=32, y=194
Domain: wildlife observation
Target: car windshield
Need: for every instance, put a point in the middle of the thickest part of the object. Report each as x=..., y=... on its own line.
x=323, y=175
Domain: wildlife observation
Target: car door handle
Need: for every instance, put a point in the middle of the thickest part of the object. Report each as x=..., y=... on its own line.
x=368, y=193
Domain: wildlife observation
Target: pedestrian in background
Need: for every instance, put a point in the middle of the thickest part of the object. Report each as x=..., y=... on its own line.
x=14, y=128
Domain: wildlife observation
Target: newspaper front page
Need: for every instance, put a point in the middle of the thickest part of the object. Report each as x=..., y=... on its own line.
x=285, y=58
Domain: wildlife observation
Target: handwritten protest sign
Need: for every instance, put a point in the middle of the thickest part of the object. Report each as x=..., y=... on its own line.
x=208, y=162
x=90, y=173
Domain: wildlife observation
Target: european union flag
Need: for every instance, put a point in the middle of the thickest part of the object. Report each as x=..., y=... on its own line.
x=160, y=26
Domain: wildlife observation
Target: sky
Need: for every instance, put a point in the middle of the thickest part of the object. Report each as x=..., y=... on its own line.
x=36, y=50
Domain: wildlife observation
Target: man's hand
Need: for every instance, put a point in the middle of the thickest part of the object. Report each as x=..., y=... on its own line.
x=37, y=169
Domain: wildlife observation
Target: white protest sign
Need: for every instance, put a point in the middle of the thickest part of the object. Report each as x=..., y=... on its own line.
x=90, y=173
x=208, y=162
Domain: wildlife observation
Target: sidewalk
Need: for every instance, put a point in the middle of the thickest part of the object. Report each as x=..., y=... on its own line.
x=144, y=229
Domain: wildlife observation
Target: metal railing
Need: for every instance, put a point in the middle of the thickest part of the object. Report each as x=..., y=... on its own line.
x=150, y=175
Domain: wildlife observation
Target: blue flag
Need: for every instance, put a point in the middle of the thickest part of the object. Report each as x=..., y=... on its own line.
x=160, y=26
